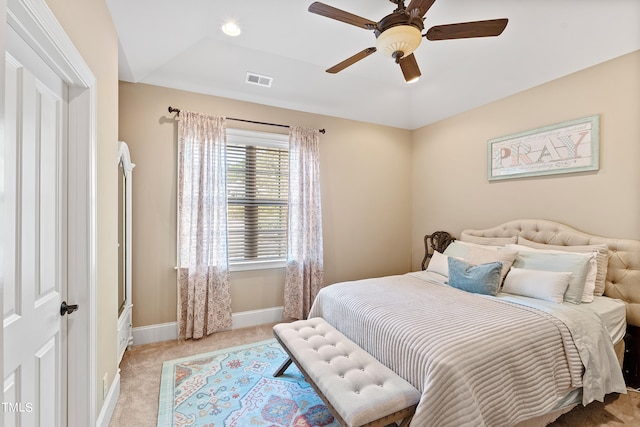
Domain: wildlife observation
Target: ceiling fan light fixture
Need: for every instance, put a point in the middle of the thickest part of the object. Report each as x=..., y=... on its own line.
x=401, y=38
x=230, y=28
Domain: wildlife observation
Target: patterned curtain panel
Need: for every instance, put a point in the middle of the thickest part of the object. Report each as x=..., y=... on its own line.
x=305, y=270
x=204, y=292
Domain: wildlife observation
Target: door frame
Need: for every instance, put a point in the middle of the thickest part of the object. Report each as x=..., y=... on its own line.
x=36, y=23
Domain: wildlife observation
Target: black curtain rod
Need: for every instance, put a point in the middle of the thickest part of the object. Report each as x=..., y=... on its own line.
x=177, y=110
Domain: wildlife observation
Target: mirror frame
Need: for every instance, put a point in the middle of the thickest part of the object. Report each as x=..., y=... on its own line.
x=126, y=316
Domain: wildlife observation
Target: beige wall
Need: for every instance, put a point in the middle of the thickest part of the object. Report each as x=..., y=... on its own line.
x=365, y=174
x=88, y=24
x=371, y=174
x=450, y=187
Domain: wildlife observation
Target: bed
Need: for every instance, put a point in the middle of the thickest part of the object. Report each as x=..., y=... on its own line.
x=512, y=358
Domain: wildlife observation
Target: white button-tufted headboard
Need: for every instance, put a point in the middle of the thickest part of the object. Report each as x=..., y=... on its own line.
x=623, y=274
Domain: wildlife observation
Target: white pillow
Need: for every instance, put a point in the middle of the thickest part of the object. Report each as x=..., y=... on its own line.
x=461, y=249
x=577, y=264
x=539, y=284
x=592, y=272
x=481, y=255
x=602, y=259
x=439, y=263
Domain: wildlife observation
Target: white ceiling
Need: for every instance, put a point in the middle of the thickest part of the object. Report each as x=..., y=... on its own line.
x=179, y=44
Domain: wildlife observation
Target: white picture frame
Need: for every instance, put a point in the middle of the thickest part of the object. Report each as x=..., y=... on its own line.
x=567, y=147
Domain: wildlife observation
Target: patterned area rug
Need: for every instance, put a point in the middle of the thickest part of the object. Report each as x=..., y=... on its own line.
x=235, y=387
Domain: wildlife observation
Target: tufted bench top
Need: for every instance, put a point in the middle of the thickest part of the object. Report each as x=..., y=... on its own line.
x=356, y=387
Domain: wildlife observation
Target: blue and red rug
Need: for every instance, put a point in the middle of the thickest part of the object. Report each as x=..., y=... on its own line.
x=235, y=387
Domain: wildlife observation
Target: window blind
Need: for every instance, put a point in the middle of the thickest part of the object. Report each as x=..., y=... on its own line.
x=257, y=192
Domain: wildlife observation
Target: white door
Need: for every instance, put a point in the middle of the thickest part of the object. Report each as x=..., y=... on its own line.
x=36, y=103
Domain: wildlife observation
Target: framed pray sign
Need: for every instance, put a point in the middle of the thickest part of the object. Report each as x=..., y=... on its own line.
x=567, y=147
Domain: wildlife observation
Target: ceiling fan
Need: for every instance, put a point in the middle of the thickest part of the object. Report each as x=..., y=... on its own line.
x=400, y=33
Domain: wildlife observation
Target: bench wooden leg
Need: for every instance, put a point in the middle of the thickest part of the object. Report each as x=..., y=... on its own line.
x=282, y=368
x=406, y=421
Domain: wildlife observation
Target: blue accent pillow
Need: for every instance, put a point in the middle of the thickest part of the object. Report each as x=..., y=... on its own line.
x=479, y=279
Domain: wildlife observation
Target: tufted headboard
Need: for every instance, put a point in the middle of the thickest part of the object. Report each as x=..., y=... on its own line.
x=623, y=274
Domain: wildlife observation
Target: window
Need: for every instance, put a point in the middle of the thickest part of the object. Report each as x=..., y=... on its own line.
x=257, y=191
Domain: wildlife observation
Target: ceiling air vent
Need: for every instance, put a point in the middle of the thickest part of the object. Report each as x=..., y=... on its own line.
x=257, y=79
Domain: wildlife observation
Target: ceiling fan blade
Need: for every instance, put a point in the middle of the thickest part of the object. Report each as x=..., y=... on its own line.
x=410, y=69
x=463, y=30
x=423, y=5
x=339, y=15
x=352, y=60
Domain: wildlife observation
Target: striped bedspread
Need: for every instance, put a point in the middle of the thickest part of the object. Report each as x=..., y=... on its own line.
x=479, y=361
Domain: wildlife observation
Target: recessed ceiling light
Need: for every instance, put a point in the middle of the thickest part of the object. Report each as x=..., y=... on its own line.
x=231, y=29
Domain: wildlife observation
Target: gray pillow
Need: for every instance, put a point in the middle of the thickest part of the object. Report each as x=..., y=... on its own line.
x=479, y=279
x=577, y=264
x=602, y=259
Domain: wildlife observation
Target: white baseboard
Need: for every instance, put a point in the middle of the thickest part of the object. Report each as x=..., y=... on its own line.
x=245, y=319
x=155, y=333
x=109, y=405
x=169, y=331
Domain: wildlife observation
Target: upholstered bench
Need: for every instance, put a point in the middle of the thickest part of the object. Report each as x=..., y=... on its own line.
x=357, y=389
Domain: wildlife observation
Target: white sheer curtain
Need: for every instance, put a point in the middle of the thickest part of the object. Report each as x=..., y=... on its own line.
x=204, y=293
x=305, y=270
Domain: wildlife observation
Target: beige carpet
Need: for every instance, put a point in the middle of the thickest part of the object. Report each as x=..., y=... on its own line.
x=141, y=368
